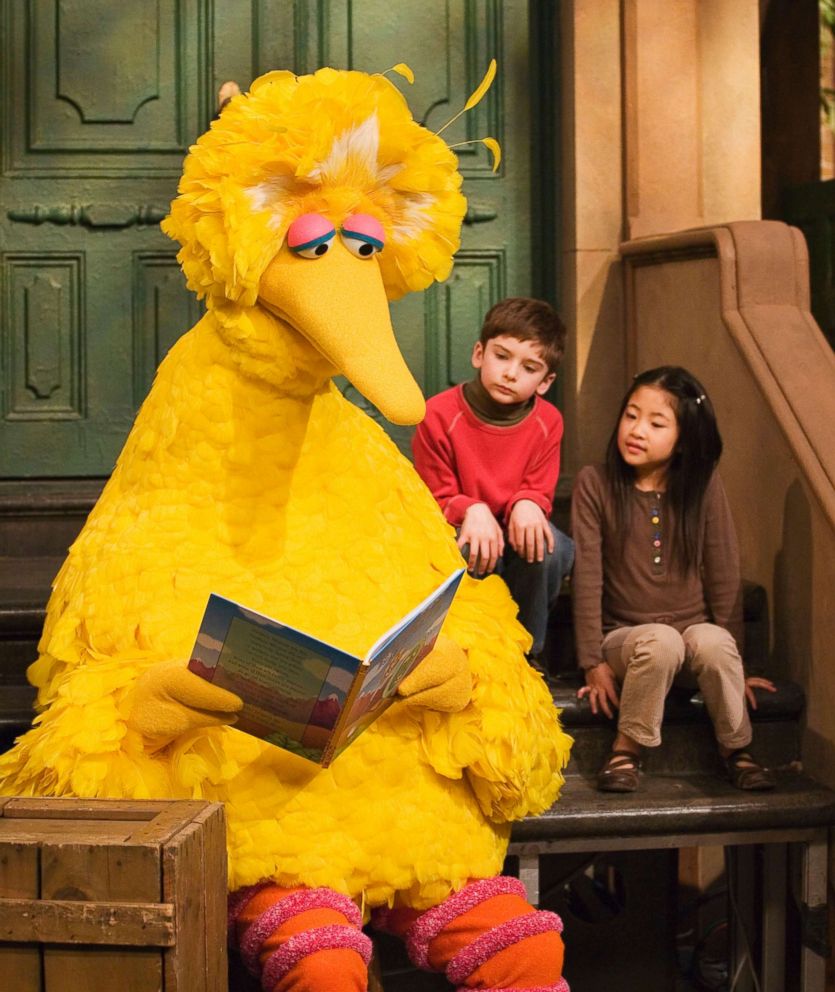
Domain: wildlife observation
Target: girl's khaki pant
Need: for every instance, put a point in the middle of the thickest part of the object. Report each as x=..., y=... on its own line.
x=650, y=658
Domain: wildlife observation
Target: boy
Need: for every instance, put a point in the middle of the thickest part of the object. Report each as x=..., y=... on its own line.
x=489, y=450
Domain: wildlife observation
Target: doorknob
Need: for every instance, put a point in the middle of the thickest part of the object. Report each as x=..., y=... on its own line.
x=479, y=213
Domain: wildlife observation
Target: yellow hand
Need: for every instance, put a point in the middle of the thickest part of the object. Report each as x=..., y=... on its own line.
x=169, y=701
x=442, y=681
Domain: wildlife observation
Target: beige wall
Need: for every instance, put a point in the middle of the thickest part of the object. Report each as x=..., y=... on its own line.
x=660, y=133
x=592, y=183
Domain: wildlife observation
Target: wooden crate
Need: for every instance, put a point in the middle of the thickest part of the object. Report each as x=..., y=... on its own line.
x=100, y=895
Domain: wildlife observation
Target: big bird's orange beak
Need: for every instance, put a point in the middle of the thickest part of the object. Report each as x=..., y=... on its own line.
x=338, y=303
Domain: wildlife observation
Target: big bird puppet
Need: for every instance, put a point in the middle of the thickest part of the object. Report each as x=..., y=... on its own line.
x=309, y=204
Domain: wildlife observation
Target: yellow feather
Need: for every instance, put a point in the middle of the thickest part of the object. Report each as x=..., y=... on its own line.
x=480, y=90
x=483, y=86
x=403, y=70
x=496, y=150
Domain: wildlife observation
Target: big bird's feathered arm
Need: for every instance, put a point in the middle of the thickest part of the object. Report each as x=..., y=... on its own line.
x=507, y=741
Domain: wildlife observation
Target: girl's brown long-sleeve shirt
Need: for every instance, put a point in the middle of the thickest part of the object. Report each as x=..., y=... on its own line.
x=622, y=584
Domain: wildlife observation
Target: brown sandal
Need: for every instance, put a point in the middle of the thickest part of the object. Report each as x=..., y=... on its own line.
x=744, y=772
x=620, y=773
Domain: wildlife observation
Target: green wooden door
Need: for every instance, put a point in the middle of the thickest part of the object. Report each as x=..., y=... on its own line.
x=106, y=99
x=102, y=101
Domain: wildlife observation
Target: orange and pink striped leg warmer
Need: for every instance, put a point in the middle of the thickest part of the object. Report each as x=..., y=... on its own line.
x=300, y=940
x=485, y=937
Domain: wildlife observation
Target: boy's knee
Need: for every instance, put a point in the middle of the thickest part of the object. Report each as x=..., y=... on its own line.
x=563, y=552
x=557, y=563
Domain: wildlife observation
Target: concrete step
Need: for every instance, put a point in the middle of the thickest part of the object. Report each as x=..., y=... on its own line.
x=24, y=588
x=678, y=810
x=676, y=805
x=42, y=517
x=39, y=520
x=688, y=744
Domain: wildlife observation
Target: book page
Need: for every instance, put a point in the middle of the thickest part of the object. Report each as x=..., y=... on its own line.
x=293, y=685
x=393, y=657
x=435, y=606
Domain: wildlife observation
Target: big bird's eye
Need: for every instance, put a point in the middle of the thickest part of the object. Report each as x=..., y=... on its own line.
x=310, y=236
x=363, y=235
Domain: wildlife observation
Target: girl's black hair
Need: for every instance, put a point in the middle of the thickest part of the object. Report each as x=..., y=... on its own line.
x=694, y=459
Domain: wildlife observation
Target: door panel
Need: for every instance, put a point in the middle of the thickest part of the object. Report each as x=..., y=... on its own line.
x=45, y=374
x=107, y=99
x=116, y=90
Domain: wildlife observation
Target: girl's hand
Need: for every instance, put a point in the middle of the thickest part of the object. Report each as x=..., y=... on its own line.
x=481, y=531
x=528, y=531
x=602, y=689
x=751, y=683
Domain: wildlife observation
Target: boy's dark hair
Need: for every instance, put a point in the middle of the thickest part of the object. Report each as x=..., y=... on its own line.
x=527, y=319
x=694, y=459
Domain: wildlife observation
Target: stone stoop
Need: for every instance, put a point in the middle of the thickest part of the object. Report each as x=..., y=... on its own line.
x=688, y=746
x=39, y=519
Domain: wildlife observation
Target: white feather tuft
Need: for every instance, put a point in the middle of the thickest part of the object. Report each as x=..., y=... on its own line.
x=354, y=149
x=413, y=217
x=269, y=196
x=353, y=154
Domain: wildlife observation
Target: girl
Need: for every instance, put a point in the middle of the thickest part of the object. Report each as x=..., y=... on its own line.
x=657, y=591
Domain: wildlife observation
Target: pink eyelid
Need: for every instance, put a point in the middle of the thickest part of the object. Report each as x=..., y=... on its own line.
x=307, y=229
x=366, y=226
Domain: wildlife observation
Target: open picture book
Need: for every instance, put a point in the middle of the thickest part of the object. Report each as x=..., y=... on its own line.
x=301, y=693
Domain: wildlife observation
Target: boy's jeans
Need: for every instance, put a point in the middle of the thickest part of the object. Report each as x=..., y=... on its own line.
x=535, y=585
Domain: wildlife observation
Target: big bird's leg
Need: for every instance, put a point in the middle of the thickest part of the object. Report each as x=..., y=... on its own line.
x=300, y=940
x=485, y=937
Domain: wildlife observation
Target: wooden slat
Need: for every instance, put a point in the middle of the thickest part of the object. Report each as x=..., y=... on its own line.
x=84, y=809
x=20, y=965
x=200, y=959
x=16, y=831
x=86, y=871
x=90, y=872
x=215, y=896
x=166, y=823
x=183, y=861
x=102, y=969
x=49, y=921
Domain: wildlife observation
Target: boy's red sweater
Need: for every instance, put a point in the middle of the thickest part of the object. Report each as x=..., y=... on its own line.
x=464, y=461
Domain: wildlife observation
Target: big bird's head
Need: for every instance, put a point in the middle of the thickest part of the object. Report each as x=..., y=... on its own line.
x=311, y=203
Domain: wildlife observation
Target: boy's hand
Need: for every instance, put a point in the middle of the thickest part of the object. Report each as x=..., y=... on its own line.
x=602, y=689
x=483, y=533
x=528, y=531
